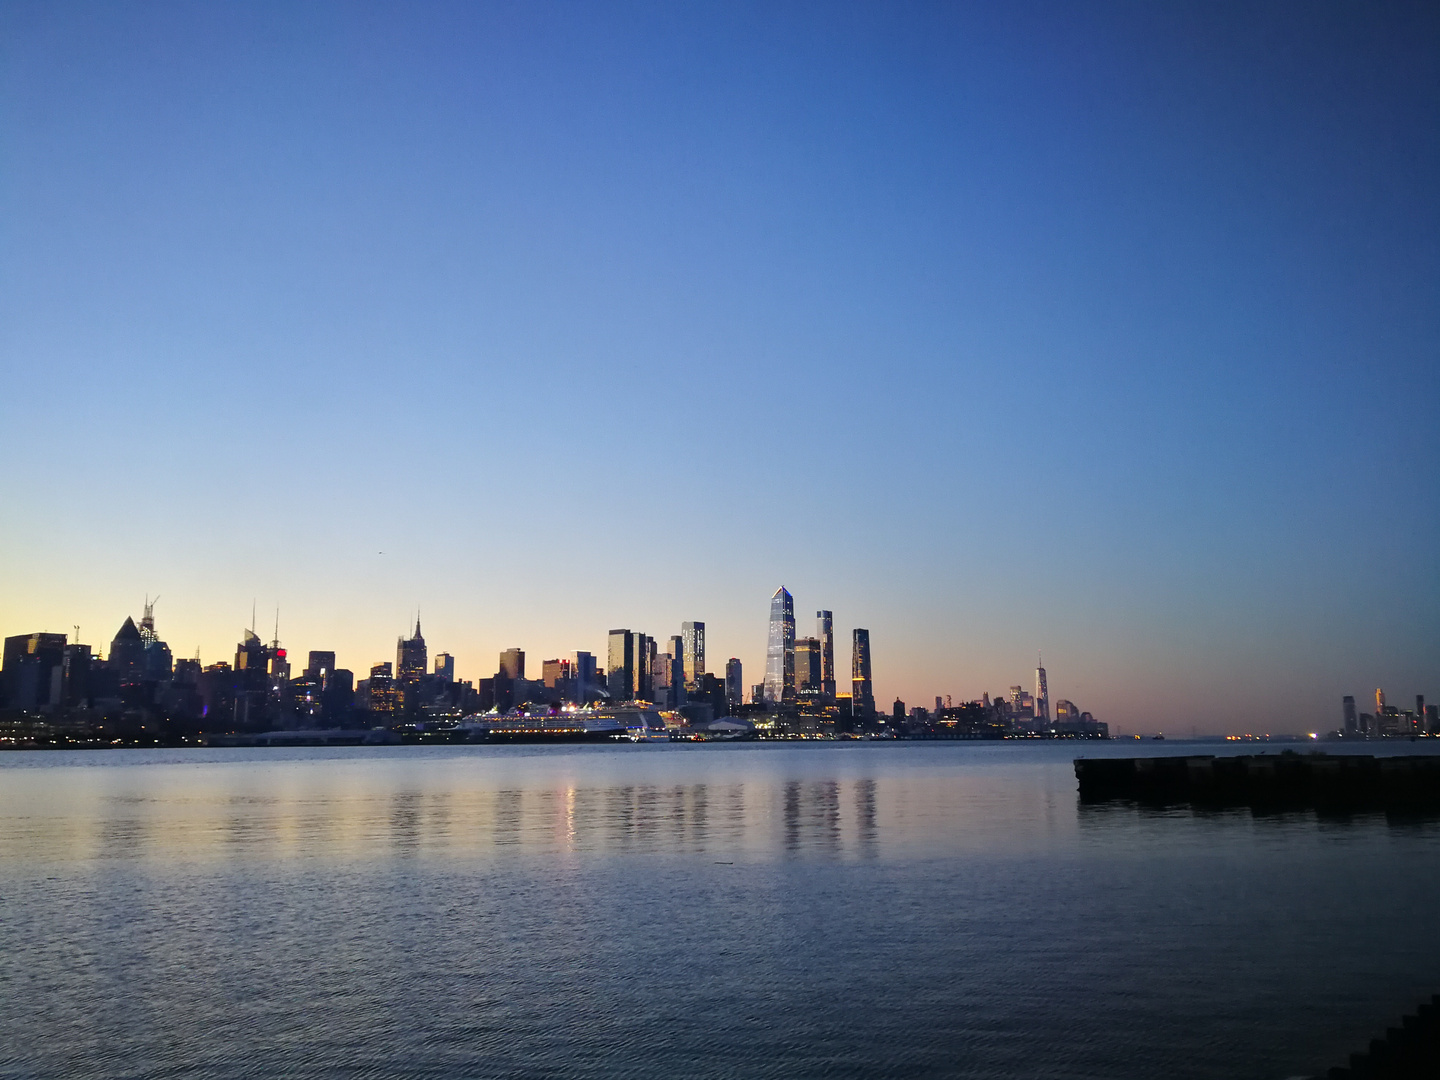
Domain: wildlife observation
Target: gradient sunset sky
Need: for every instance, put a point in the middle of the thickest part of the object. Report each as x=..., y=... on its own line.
x=1110, y=331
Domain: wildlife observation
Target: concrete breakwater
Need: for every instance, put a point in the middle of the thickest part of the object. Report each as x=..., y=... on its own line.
x=1409, y=1052
x=1284, y=780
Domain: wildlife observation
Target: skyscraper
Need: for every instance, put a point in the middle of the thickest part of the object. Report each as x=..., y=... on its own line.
x=734, y=684
x=780, y=652
x=512, y=663
x=645, y=654
x=825, y=631
x=862, y=689
x=582, y=670
x=1042, y=692
x=411, y=659
x=807, y=664
x=127, y=653
x=692, y=635
x=445, y=667
x=34, y=669
x=319, y=665
x=1348, y=713
x=620, y=665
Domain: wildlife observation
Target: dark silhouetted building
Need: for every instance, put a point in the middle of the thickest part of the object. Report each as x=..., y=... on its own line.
x=734, y=684
x=127, y=654
x=34, y=670
x=445, y=667
x=411, y=660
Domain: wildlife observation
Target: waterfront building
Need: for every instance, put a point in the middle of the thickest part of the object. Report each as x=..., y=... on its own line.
x=734, y=684
x=807, y=665
x=1348, y=721
x=512, y=663
x=780, y=649
x=554, y=671
x=862, y=688
x=411, y=659
x=692, y=641
x=825, y=631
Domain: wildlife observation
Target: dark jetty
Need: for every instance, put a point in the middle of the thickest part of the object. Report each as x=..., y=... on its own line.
x=1286, y=780
x=1411, y=1050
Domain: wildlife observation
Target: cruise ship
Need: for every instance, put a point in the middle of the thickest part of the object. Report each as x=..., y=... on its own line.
x=615, y=724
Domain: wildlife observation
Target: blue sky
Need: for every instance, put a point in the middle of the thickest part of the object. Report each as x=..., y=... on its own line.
x=1104, y=330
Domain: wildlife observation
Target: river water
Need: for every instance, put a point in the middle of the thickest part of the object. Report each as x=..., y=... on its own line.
x=752, y=910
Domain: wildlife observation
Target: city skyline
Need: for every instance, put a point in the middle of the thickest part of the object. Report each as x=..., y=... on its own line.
x=626, y=675
x=1104, y=333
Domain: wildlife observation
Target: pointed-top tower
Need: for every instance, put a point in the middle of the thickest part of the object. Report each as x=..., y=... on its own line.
x=411, y=659
x=780, y=651
x=1042, y=691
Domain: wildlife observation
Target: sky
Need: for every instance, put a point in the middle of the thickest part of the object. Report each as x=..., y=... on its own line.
x=1105, y=331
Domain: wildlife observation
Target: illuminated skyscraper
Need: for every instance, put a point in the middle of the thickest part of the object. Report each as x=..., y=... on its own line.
x=445, y=667
x=380, y=690
x=780, y=652
x=862, y=689
x=1379, y=703
x=1042, y=692
x=825, y=631
x=692, y=635
x=411, y=659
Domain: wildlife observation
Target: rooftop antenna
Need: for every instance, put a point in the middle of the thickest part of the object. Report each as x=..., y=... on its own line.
x=252, y=616
x=77, y=635
x=276, y=643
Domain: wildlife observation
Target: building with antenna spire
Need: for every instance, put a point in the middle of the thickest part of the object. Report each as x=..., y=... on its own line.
x=1042, y=692
x=411, y=659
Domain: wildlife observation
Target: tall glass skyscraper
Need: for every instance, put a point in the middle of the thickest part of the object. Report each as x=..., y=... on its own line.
x=825, y=627
x=780, y=652
x=862, y=689
x=692, y=636
x=1042, y=691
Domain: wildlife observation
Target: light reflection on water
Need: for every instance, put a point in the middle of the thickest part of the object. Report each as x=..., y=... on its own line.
x=664, y=911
